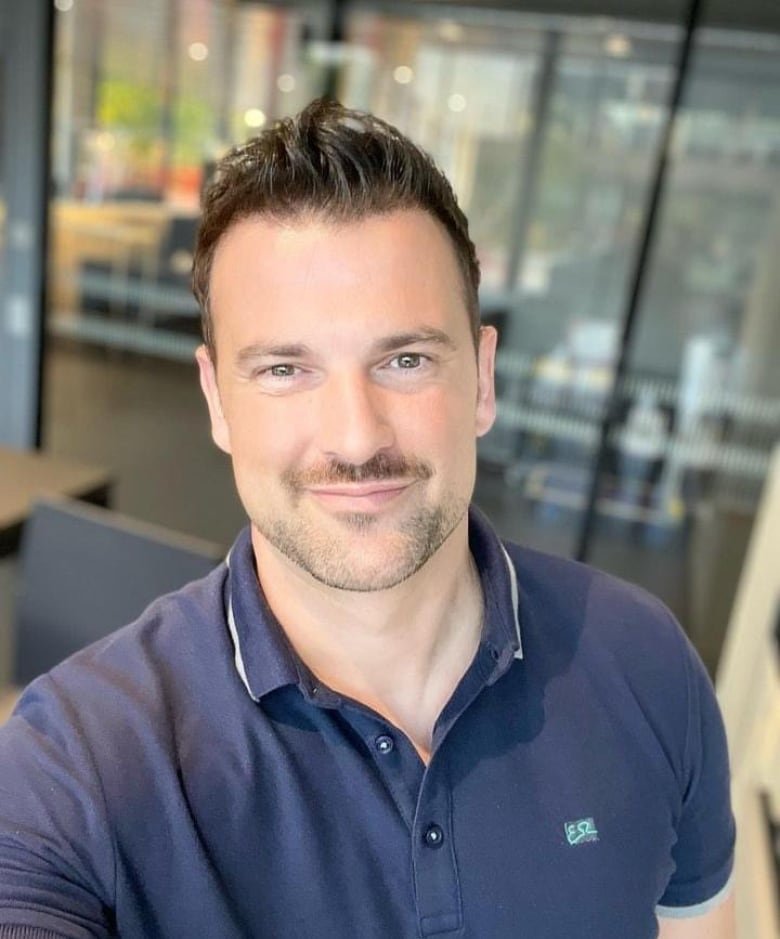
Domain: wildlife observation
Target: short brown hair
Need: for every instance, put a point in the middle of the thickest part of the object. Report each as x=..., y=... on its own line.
x=331, y=163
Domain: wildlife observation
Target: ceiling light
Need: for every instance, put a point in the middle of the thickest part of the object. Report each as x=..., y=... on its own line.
x=618, y=45
x=403, y=74
x=450, y=30
x=254, y=117
x=198, y=51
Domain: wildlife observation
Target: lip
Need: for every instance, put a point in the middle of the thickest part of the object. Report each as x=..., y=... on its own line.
x=360, y=496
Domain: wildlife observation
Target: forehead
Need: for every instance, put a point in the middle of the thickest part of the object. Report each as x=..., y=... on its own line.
x=399, y=267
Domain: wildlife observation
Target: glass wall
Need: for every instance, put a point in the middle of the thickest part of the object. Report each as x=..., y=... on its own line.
x=148, y=95
x=549, y=127
x=700, y=405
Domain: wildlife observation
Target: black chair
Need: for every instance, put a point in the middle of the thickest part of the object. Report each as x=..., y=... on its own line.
x=86, y=571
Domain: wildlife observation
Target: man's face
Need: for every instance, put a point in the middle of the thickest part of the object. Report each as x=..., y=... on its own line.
x=347, y=391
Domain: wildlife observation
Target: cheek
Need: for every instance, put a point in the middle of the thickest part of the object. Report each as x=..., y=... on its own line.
x=267, y=433
x=440, y=421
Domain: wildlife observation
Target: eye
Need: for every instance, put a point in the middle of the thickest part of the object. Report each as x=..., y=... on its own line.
x=408, y=360
x=280, y=371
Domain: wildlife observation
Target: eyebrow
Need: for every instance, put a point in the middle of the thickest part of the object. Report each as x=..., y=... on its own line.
x=260, y=350
x=425, y=334
x=298, y=350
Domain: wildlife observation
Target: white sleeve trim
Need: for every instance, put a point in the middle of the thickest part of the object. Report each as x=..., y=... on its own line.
x=698, y=909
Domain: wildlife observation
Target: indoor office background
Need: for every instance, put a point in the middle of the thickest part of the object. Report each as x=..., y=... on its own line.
x=635, y=285
x=619, y=161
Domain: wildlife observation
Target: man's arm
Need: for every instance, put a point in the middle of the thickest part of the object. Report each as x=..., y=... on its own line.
x=704, y=850
x=717, y=923
x=56, y=851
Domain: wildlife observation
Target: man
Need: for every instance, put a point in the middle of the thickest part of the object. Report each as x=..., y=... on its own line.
x=376, y=720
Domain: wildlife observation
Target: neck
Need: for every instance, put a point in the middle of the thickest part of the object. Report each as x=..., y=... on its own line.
x=399, y=651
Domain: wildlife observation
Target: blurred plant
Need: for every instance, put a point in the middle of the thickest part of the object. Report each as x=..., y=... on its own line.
x=194, y=130
x=133, y=109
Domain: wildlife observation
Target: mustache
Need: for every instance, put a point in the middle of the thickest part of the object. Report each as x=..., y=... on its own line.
x=381, y=466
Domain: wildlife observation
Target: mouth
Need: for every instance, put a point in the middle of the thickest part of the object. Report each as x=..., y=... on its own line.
x=360, y=497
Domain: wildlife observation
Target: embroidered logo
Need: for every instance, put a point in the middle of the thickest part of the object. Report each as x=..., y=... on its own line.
x=581, y=831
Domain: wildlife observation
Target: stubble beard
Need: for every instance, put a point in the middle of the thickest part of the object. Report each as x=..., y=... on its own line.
x=359, y=556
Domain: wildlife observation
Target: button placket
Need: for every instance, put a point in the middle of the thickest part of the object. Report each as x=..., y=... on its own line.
x=396, y=762
x=437, y=886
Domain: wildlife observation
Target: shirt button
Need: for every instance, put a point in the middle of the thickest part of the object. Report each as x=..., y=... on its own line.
x=434, y=836
x=384, y=743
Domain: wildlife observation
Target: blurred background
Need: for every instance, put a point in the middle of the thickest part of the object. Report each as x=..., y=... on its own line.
x=619, y=161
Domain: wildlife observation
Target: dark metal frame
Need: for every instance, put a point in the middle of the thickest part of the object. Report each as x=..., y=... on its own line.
x=25, y=134
x=639, y=274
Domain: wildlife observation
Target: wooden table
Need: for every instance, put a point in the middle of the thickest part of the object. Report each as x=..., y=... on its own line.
x=26, y=476
x=8, y=698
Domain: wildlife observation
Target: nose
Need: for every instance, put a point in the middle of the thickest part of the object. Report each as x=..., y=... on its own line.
x=353, y=421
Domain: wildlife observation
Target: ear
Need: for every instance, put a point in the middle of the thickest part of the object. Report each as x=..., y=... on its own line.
x=486, y=375
x=220, y=431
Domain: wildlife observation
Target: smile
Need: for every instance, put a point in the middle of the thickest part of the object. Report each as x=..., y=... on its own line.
x=360, y=496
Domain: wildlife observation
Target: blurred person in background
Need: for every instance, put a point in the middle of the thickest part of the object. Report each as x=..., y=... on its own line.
x=375, y=719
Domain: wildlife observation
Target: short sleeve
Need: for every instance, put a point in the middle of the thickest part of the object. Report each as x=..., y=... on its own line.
x=56, y=855
x=704, y=851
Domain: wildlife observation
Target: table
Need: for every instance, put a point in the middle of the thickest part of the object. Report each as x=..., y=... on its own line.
x=8, y=698
x=26, y=476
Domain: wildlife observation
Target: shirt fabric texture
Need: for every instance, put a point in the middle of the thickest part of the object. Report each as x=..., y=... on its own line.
x=187, y=776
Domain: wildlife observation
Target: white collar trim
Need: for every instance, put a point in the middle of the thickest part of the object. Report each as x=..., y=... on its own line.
x=515, y=601
x=237, y=658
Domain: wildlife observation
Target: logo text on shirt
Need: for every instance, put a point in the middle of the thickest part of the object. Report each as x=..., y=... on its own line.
x=581, y=831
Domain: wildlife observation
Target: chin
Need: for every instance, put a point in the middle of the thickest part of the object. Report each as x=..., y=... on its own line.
x=362, y=551
x=363, y=580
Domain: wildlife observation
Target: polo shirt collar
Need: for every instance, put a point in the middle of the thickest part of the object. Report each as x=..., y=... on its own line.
x=501, y=624
x=265, y=660
x=263, y=656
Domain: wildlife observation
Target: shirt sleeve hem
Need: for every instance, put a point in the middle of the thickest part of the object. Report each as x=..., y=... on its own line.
x=697, y=909
x=26, y=922
x=27, y=932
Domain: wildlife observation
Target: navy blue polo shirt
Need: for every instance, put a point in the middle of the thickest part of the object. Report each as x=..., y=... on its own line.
x=189, y=777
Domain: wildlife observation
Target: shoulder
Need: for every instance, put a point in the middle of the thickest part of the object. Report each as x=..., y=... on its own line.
x=578, y=589
x=603, y=640
x=174, y=636
x=140, y=676
x=569, y=599
x=99, y=733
